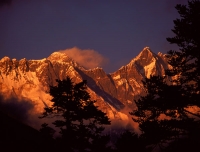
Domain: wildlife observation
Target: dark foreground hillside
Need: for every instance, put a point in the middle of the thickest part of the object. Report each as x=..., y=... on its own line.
x=16, y=136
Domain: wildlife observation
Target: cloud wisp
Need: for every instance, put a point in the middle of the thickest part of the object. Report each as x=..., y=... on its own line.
x=86, y=57
x=19, y=109
x=22, y=110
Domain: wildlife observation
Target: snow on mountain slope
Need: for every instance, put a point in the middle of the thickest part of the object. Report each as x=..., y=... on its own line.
x=128, y=79
x=31, y=79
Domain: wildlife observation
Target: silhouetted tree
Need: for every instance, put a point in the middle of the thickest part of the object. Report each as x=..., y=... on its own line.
x=186, y=61
x=47, y=131
x=80, y=122
x=162, y=114
x=129, y=141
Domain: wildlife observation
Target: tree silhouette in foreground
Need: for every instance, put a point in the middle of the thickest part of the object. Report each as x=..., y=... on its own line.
x=81, y=123
x=129, y=141
x=163, y=114
x=186, y=61
x=47, y=131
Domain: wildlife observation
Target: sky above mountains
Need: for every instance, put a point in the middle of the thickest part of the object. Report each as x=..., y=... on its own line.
x=108, y=32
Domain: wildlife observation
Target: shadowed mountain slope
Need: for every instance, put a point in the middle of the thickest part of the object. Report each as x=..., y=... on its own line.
x=16, y=136
x=30, y=79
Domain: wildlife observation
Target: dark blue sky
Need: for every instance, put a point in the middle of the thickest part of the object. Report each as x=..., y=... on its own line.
x=116, y=29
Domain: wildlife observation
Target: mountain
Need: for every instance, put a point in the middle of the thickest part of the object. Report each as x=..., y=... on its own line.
x=128, y=79
x=16, y=136
x=30, y=80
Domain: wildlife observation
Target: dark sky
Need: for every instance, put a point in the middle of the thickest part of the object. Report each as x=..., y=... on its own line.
x=114, y=29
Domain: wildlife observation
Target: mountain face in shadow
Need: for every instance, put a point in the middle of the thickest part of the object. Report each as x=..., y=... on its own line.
x=30, y=79
x=16, y=136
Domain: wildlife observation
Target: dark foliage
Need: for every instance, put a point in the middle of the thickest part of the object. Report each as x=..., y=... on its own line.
x=47, y=131
x=162, y=114
x=186, y=61
x=80, y=121
x=129, y=141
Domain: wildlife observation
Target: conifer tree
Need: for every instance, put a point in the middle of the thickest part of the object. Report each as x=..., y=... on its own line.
x=129, y=141
x=81, y=123
x=185, y=62
x=162, y=114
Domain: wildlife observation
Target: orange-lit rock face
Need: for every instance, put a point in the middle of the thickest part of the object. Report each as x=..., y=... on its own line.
x=31, y=79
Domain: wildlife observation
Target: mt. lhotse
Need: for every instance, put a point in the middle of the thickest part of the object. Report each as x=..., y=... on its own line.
x=30, y=79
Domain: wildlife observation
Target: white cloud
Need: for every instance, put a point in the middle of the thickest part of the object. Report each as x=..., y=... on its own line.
x=86, y=57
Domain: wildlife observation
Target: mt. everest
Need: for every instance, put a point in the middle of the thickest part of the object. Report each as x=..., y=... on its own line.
x=30, y=80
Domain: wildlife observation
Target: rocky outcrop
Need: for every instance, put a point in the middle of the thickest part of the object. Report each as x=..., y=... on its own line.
x=31, y=79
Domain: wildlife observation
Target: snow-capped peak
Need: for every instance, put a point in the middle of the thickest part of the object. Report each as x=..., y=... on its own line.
x=4, y=59
x=59, y=56
x=63, y=58
x=144, y=54
x=30, y=79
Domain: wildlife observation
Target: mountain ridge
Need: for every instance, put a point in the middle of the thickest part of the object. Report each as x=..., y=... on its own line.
x=31, y=79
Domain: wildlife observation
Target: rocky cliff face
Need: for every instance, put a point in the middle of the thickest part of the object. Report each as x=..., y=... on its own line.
x=128, y=79
x=31, y=79
x=126, y=83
